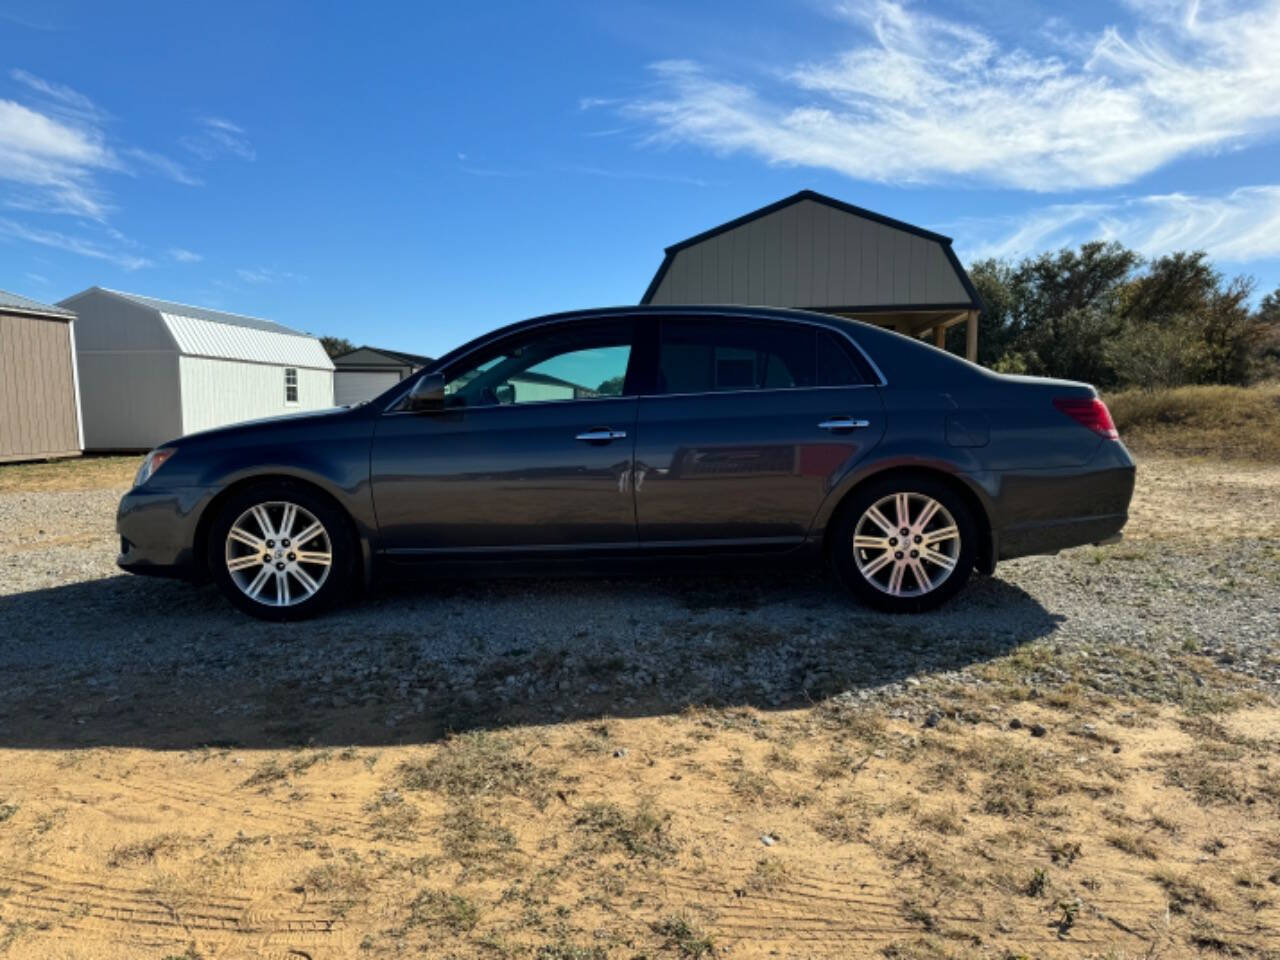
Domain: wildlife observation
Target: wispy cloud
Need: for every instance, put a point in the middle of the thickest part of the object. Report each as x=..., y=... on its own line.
x=261, y=275
x=919, y=98
x=83, y=246
x=636, y=175
x=217, y=136
x=184, y=256
x=165, y=166
x=58, y=92
x=1242, y=225
x=54, y=163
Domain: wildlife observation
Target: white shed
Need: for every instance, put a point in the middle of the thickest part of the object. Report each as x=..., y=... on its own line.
x=152, y=370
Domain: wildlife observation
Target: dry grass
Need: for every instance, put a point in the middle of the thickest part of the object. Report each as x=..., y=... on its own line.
x=1224, y=423
x=81, y=473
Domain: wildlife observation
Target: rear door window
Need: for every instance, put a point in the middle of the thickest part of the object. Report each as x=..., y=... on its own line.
x=715, y=356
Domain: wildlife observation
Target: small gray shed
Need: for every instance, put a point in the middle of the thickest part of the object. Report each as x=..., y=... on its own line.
x=817, y=253
x=152, y=370
x=39, y=392
x=365, y=372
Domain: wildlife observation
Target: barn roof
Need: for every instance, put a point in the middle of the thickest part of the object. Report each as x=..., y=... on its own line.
x=202, y=332
x=14, y=303
x=946, y=284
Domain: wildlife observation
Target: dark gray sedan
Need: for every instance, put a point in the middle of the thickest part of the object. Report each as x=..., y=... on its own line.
x=618, y=438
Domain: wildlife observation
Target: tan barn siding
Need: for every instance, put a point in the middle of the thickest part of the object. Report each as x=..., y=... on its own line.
x=38, y=415
x=809, y=254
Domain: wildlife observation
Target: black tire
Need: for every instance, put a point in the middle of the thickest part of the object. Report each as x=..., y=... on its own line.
x=333, y=587
x=871, y=590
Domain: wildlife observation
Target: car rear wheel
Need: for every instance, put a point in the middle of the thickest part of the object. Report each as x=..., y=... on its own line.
x=904, y=544
x=280, y=551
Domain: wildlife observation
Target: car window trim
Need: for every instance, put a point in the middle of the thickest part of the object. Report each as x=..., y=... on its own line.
x=642, y=320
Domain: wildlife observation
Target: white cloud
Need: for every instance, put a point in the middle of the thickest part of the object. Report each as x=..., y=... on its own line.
x=1240, y=226
x=74, y=244
x=53, y=162
x=59, y=92
x=265, y=275
x=218, y=136
x=184, y=256
x=165, y=166
x=919, y=98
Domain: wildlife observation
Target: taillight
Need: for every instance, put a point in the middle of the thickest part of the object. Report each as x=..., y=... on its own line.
x=1089, y=412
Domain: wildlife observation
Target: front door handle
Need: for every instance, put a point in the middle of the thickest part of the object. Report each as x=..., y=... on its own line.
x=601, y=435
x=843, y=423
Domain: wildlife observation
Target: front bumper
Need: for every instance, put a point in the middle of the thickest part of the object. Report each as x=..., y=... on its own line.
x=158, y=532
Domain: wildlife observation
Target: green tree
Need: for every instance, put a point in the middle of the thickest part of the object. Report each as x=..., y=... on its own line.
x=336, y=346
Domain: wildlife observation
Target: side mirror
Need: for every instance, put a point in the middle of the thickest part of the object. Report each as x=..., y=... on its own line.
x=505, y=392
x=427, y=395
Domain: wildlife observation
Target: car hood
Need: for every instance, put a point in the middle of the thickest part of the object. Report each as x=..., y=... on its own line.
x=265, y=423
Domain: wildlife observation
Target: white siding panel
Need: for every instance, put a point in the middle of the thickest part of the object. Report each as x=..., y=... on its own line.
x=129, y=400
x=204, y=338
x=218, y=392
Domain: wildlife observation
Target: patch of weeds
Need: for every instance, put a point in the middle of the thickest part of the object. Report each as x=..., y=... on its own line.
x=145, y=851
x=449, y=911
x=679, y=933
x=191, y=953
x=947, y=822
x=1134, y=844
x=843, y=824
x=1183, y=891
x=345, y=882
x=915, y=912
x=1205, y=780
x=1070, y=912
x=475, y=841
x=752, y=786
x=568, y=951
x=7, y=810
x=1018, y=779
x=395, y=822
x=922, y=948
x=781, y=759
x=769, y=874
x=1038, y=883
x=478, y=764
x=642, y=833
x=1065, y=852
x=270, y=771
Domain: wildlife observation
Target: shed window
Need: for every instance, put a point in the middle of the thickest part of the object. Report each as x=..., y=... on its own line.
x=290, y=385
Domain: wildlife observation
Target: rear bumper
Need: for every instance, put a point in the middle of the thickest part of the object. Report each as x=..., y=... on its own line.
x=1044, y=511
x=158, y=532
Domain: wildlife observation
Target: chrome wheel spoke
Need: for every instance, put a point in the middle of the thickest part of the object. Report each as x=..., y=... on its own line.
x=260, y=581
x=264, y=522
x=870, y=543
x=902, y=505
x=288, y=520
x=247, y=562
x=314, y=557
x=895, y=578
x=282, y=587
x=308, y=582
x=308, y=534
x=940, y=559
x=926, y=515
x=240, y=535
x=938, y=536
x=922, y=578
x=880, y=520
x=878, y=564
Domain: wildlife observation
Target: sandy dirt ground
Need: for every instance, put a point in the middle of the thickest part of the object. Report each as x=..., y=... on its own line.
x=1007, y=809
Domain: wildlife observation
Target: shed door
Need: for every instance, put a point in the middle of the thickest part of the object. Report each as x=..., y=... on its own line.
x=352, y=386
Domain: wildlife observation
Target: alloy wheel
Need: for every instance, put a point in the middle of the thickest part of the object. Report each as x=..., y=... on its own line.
x=278, y=554
x=906, y=544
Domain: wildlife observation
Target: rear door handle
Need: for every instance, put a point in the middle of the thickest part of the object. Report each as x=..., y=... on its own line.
x=601, y=435
x=843, y=423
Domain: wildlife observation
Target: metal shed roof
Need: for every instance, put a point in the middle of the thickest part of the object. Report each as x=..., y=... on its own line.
x=15, y=304
x=197, y=331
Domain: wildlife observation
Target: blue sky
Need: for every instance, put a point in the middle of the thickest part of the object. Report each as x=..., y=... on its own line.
x=412, y=175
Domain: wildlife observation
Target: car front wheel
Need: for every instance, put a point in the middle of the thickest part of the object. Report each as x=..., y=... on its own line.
x=904, y=544
x=280, y=551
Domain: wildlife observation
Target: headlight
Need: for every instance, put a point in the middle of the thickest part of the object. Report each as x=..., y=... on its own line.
x=153, y=462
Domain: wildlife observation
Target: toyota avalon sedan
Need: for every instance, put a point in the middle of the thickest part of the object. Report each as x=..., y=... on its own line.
x=644, y=437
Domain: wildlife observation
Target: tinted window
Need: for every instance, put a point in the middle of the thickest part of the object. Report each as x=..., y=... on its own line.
x=578, y=362
x=708, y=356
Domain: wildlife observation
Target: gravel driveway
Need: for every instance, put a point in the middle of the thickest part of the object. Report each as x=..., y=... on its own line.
x=92, y=657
